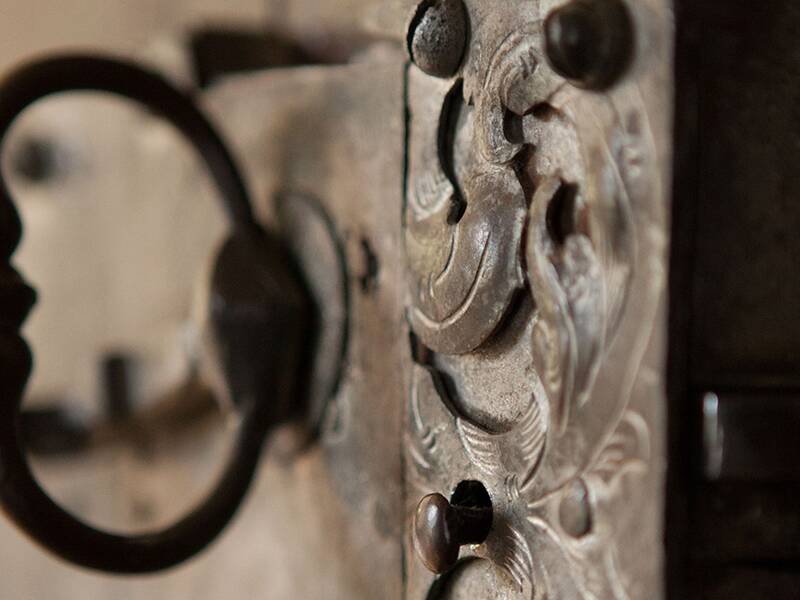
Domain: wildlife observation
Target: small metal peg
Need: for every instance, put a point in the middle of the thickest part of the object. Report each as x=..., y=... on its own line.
x=441, y=528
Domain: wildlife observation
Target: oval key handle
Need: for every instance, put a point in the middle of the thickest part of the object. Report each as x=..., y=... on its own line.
x=260, y=319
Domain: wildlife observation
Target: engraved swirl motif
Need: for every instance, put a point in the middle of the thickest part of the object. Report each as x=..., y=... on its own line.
x=462, y=252
x=568, y=287
x=523, y=445
x=528, y=541
x=557, y=477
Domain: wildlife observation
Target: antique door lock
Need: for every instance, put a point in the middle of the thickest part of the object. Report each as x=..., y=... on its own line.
x=512, y=278
x=456, y=262
x=500, y=251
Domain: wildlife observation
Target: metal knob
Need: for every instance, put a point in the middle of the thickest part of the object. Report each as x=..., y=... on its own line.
x=441, y=528
x=590, y=42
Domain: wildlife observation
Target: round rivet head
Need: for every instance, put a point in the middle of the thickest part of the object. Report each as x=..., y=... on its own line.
x=437, y=36
x=441, y=528
x=432, y=538
x=589, y=42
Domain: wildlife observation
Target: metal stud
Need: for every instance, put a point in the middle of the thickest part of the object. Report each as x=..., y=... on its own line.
x=437, y=36
x=442, y=527
x=589, y=42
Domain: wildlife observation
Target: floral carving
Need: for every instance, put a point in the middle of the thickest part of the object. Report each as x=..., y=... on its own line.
x=591, y=238
x=516, y=452
x=568, y=286
x=531, y=535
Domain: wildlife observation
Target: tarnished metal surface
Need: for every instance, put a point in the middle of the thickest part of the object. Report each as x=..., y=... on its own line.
x=495, y=270
x=510, y=304
x=535, y=212
x=333, y=136
x=536, y=236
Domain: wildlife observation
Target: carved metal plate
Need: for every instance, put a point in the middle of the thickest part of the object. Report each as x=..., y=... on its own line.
x=535, y=228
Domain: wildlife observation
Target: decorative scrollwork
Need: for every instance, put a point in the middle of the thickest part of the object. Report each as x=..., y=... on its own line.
x=583, y=168
x=568, y=286
x=462, y=253
x=516, y=452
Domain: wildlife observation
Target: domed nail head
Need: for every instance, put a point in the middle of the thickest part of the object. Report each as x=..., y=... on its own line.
x=433, y=541
x=589, y=42
x=441, y=528
x=437, y=36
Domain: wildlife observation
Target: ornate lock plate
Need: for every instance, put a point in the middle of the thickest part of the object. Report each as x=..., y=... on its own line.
x=485, y=231
x=535, y=233
x=488, y=252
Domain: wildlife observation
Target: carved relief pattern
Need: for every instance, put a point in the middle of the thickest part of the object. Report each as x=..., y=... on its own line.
x=561, y=197
x=463, y=272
